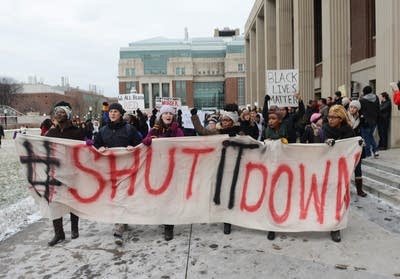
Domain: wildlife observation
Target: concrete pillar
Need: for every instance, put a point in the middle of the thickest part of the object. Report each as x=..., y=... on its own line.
x=150, y=96
x=270, y=35
x=248, y=71
x=160, y=89
x=170, y=89
x=336, y=46
x=388, y=56
x=253, y=66
x=303, y=24
x=284, y=34
x=260, y=33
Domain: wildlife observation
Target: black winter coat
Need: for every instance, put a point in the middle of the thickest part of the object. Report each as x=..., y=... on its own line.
x=343, y=132
x=369, y=111
x=69, y=132
x=248, y=129
x=117, y=134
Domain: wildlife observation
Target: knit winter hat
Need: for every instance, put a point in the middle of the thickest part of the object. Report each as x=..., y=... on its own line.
x=167, y=108
x=212, y=118
x=315, y=117
x=118, y=107
x=355, y=103
x=64, y=106
x=232, y=115
x=345, y=101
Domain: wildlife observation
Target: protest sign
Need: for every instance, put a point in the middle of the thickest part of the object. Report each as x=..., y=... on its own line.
x=131, y=102
x=170, y=101
x=238, y=180
x=281, y=86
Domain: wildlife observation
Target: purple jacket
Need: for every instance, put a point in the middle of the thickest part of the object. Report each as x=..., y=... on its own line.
x=173, y=131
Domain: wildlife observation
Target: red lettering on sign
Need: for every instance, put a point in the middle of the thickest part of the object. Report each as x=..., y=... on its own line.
x=101, y=181
x=264, y=172
x=131, y=172
x=279, y=219
x=167, y=181
x=319, y=199
x=196, y=153
x=343, y=176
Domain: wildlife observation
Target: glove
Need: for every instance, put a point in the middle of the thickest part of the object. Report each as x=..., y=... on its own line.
x=147, y=141
x=193, y=111
x=89, y=142
x=267, y=98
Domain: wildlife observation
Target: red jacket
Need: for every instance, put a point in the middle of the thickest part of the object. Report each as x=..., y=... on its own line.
x=396, y=97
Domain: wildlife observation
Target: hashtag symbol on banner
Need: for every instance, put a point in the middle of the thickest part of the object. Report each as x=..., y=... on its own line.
x=31, y=160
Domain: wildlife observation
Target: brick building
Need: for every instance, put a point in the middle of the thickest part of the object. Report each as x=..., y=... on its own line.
x=203, y=72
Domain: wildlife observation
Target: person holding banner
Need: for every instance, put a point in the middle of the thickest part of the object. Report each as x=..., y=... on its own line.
x=63, y=129
x=229, y=125
x=117, y=133
x=165, y=127
x=338, y=127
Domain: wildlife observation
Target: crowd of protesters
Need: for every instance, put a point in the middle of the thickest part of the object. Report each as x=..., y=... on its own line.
x=322, y=120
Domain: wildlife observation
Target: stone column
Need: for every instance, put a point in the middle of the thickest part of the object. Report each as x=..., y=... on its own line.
x=253, y=65
x=303, y=25
x=270, y=35
x=248, y=71
x=284, y=32
x=388, y=57
x=260, y=46
x=335, y=46
x=170, y=89
x=150, y=96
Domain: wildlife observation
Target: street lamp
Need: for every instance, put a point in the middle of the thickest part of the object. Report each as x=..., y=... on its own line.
x=90, y=112
x=5, y=117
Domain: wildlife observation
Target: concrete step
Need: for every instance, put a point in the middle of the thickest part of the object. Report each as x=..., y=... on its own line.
x=384, y=176
x=382, y=164
x=381, y=190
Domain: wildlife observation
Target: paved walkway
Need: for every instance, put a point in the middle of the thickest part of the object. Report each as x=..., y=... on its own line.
x=369, y=249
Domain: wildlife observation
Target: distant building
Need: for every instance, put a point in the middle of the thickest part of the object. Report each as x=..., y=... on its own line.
x=40, y=99
x=203, y=72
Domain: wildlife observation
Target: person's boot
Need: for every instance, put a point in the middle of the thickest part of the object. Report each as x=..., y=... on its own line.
x=168, y=232
x=59, y=235
x=227, y=228
x=271, y=235
x=335, y=235
x=358, y=182
x=74, y=226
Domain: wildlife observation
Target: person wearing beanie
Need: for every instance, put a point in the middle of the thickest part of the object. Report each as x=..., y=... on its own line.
x=63, y=128
x=354, y=117
x=345, y=102
x=165, y=127
x=369, y=114
x=228, y=125
x=117, y=133
x=276, y=129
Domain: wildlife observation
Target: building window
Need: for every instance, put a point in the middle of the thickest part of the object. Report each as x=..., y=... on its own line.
x=165, y=89
x=180, y=71
x=180, y=91
x=145, y=90
x=130, y=72
x=241, y=68
x=241, y=91
x=209, y=94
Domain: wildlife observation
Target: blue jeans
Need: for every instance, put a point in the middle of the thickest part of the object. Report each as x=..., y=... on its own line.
x=367, y=133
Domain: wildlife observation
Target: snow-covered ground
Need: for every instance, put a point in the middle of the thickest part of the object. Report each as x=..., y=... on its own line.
x=17, y=207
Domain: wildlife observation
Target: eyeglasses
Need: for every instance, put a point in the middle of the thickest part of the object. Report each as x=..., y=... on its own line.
x=333, y=117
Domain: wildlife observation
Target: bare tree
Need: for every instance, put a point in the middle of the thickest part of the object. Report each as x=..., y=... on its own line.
x=8, y=88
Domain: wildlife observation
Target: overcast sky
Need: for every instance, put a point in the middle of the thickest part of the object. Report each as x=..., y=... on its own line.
x=81, y=38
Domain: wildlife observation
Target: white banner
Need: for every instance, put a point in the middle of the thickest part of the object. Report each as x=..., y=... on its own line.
x=131, y=102
x=170, y=101
x=237, y=180
x=281, y=86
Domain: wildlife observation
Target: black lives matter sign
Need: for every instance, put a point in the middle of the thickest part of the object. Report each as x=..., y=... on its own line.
x=282, y=86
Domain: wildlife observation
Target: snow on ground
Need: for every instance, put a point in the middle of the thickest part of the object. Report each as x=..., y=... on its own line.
x=17, y=207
